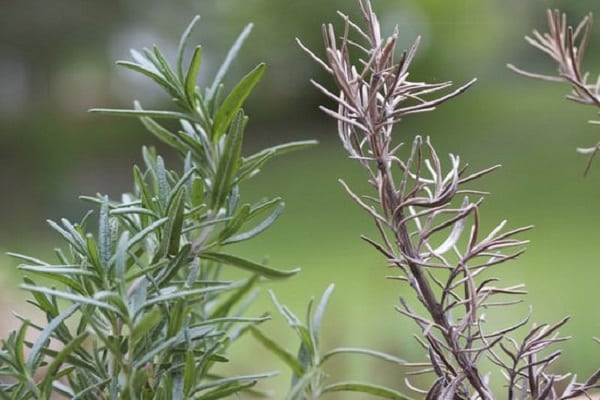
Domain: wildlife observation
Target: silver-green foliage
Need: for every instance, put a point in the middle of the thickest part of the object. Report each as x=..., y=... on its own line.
x=138, y=309
x=308, y=366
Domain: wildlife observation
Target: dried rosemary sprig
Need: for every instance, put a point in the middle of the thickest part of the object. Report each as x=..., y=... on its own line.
x=429, y=226
x=566, y=45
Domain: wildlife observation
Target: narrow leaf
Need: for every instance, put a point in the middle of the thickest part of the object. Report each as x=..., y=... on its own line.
x=145, y=232
x=30, y=259
x=142, y=188
x=145, y=325
x=191, y=294
x=41, y=300
x=120, y=261
x=60, y=358
x=183, y=42
x=224, y=308
x=231, y=55
x=197, y=195
x=144, y=113
x=151, y=73
x=159, y=131
x=288, y=358
x=233, y=379
x=45, y=335
x=252, y=164
x=61, y=274
x=229, y=162
x=249, y=265
x=176, y=214
x=161, y=181
x=376, y=390
x=104, y=234
x=227, y=389
x=318, y=317
x=235, y=223
x=165, y=68
x=92, y=253
x=163, y=346
x=76, y=241
x=372, y=353
x=233, y=102
x=262, y=226
x=192, y=75
x=71, y=297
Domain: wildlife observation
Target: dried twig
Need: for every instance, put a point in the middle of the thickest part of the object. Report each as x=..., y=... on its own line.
x=430, y=229
x=566, y=45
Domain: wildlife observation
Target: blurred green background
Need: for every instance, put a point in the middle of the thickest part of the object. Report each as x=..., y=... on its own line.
x=57, y=61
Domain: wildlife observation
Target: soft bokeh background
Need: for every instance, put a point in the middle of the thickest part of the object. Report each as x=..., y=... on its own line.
x=57, y=61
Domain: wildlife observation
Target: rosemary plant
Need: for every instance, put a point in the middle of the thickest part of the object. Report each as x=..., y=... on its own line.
x=136, y=304
x=428, y=221
x=309, y=365
x=139, y=310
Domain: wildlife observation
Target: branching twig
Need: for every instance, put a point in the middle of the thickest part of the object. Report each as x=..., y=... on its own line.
x=430, y=230
x=566, y=45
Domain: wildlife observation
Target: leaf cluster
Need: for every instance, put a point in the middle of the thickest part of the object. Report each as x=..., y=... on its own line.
x=308, y=365
x=135, y=304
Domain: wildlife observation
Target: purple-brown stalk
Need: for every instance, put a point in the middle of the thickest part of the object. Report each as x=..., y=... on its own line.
x=422, y=217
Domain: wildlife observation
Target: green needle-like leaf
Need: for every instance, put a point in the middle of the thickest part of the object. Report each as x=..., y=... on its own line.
x=197, y=195
x=61, y=274
x=360, y=387
x=104, y=235
x=235, y=223
x=144, y=190
x=230, y=161
x=288, y=358
x=159, y=131
x=247, y=265
x=189, y=372
x=70, y=235
x=183, y=44
x=252, y=164
x=162, y=184
x=145, y=113
x=192, y=74
x=233, y=102
x=59, y=359
x=224, y=308
x=44, y=336
x=72, y=297
x=262, y=226
x=244, y=380
x=149, y=72
x=191, y=294
x=163, y=66
x=175, y=211
x=319, y=312
x=231, y=55
x=144, y=233
x=145, y=325
x=92, y=255
x=353, y=350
